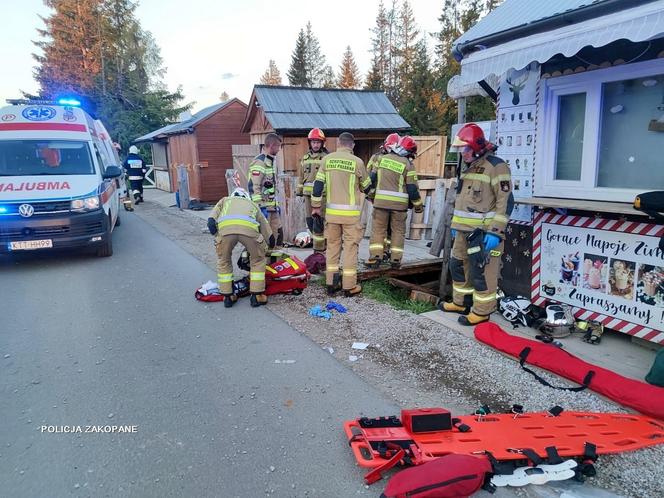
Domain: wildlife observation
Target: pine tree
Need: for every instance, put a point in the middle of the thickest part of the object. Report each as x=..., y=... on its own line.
x=224, y=97
x=315, y=60
x=98, y=49
x=380, y=50
x=405, y=51
x=297, y=73
x=373, y=80
x=71, y=55
x=349, y=75
x=329, y=80
x=271, y=76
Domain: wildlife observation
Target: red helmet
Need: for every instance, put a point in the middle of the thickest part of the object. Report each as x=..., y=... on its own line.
x=390, y=141
x=470, y=135
x=316, y=134
x=408, y=144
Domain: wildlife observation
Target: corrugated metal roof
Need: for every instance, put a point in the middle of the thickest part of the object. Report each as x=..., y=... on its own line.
x=182, y=127
x=514, y=13
x=294, y=108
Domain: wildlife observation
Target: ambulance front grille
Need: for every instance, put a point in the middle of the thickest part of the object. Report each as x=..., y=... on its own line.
x=18, y=233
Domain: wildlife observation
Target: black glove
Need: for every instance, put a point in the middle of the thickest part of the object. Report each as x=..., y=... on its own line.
x=271, y=242
x=212, y=226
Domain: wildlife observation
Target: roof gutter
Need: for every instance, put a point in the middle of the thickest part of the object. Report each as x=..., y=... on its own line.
x=581, y=14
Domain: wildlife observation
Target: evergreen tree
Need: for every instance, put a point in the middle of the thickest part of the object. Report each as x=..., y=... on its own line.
x=271, y=76
x=374, y=80
x=380, y=50
x=71, y=47
x=224, y=97
x=315, y=60
x=116, y=66
x=297, y=74
x=329, y=79
x=405, y=51
x=349, y=75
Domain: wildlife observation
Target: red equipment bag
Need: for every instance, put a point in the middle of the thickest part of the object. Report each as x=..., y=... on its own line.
x=286, y=276
x=642, y=397
x=208, y=298
x=450, y=476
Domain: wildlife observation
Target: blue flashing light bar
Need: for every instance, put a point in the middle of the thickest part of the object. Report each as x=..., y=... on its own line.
x=3, y=210
x=69, y=101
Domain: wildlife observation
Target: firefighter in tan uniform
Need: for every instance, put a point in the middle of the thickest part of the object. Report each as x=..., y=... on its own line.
x=262, y=187
x=395, y=181
x=309, y=166
x=238, y=220
x=481, y=212
x=390, y=141
x=343, y=177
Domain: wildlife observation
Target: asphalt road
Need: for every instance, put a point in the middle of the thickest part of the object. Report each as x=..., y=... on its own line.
x=88, y=342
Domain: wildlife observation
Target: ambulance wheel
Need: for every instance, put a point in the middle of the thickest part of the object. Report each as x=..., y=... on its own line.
x=106, y=248
x=297, y=292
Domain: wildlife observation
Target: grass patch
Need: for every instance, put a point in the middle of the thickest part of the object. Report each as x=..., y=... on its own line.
x=380, y=290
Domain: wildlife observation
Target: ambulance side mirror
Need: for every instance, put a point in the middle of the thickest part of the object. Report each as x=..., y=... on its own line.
x=112, y=172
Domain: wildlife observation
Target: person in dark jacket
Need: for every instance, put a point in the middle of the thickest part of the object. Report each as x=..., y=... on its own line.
x=136, y=170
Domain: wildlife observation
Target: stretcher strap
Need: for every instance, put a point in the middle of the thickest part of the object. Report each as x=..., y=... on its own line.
x=376, y=474
x=586, y=380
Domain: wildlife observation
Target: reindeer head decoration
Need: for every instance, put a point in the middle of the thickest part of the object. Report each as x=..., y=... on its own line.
x=516, y=87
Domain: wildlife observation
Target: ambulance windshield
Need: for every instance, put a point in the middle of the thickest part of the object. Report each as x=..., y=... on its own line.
x=45, y=157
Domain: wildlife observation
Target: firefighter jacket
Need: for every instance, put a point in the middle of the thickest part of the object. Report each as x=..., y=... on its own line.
x=343, y=177
x=135, y=167
x=484, y=196
x=373, y=161
x=309, y=166
x=395, y=180
x=240, y=216
x=263, y=182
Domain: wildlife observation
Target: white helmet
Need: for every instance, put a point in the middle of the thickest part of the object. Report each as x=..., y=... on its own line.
x=516, y=310
x=302, y=239
x=240, y=192
x=133, y=149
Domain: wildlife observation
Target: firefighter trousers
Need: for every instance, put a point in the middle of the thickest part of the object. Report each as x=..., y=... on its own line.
x=136, y=188
x=316, y=226
x=274, y=219
x=256, y=247
x=474, y=274
x=342, y=238
x=387, y=224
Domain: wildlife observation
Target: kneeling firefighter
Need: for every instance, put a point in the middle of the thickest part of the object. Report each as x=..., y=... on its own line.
x=236, y=219
x=483, y=205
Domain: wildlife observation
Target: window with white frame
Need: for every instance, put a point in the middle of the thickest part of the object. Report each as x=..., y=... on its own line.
x=601, y=136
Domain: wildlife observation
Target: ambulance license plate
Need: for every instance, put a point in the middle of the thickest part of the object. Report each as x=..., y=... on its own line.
x=26, y=245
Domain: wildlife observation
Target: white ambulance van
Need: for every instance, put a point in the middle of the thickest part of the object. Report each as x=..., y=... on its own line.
x=59, y=179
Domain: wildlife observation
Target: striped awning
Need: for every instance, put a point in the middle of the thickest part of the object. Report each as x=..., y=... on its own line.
x=641, y=23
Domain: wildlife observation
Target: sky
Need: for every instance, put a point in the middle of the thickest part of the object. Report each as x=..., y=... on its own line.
x=211, y=46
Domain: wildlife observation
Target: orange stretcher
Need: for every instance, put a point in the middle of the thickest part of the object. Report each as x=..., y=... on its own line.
x=504, y=436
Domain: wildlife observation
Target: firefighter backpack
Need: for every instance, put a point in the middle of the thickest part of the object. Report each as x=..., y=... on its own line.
x=286, y=276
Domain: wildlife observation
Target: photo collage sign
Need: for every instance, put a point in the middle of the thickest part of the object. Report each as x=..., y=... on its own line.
x=515, y=122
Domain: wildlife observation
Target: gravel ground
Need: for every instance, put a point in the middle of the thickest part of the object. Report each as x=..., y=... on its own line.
x=418, y=362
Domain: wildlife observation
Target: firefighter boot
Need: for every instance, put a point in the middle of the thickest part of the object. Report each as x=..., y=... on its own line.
x=229, y=300
x=453, y=308
x=473, y=319
x=354, y=291
x=257, y=300
x=373, y=262
x=336, y=285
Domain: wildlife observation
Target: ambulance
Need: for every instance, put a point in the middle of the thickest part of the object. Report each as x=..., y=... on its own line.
x=60, y=178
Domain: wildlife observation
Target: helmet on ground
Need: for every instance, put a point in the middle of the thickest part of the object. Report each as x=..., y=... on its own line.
x=559, y=321
x=472, y=136
x=243, y=262
x=240, y=192
x=390, y=141
x=516, y=310
x=302, y=239
x=408, y=144
x=133, y=149
x=316, y=134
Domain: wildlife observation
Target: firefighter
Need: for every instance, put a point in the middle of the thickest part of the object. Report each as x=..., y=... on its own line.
x=483, y=204
x=136, y=170
x=342, y=176
x=309, y=166
x=390, y=141
x=395, y=181
x=236, y=219
x=263, y=184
